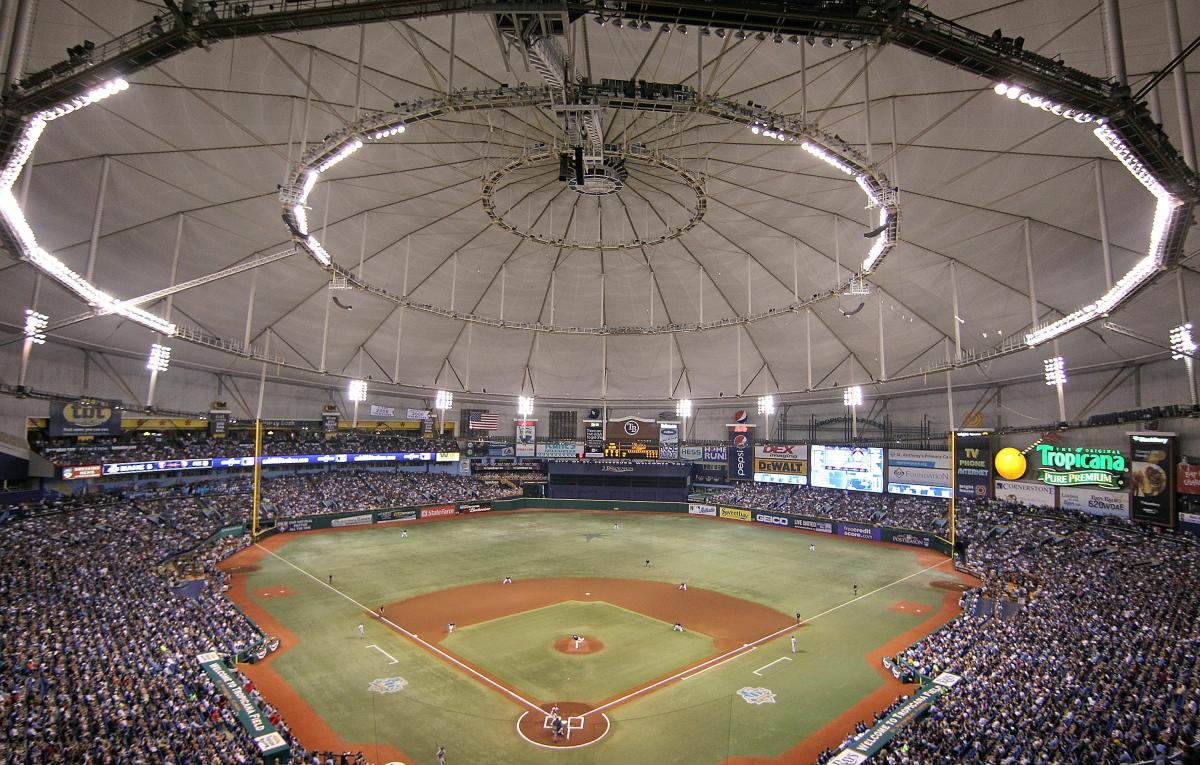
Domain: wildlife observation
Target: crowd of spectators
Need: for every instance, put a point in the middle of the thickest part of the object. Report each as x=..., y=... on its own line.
x=146, y=446
x=344, y=490
x=900, y=511
x=1095, y=660
x=98, y=643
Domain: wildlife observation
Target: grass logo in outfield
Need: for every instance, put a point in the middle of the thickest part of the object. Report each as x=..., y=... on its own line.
x=387, y=685
x=757, y=695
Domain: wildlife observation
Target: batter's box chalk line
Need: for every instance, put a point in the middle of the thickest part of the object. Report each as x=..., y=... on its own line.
x=573, y=723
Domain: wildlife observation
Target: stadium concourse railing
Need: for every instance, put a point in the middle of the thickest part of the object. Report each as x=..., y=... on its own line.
x=387, y=515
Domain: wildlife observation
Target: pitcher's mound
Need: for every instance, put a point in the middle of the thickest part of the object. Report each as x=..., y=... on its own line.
x=589, y=645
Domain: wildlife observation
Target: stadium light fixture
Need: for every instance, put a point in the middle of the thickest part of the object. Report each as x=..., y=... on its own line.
x=36, y=323
x=683, y=408
x=1056, y=370
x=443, y=400
x=159, y=358
x=766, y=405
x=525, y=406
x=357, y=391
x=852, y=396
x=1182, y=344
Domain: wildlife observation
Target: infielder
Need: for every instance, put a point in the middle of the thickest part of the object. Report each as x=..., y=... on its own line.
x=683, y=586
x=793, y=643
x=450, y=628
x=677, y=628
x=361, y=632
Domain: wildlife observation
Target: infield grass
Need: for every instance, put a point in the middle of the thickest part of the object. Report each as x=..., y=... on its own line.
x=699, y=721
x=519, y=649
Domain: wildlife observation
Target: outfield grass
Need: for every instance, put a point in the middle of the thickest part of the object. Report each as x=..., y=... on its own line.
x=701, y=720
x=519, y=650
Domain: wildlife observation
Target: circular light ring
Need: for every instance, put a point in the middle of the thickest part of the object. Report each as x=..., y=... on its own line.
x=382, y=125
x=492, y=181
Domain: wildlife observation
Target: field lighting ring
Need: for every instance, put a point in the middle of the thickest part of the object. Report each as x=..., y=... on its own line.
x=635, y=153
x=384, y=125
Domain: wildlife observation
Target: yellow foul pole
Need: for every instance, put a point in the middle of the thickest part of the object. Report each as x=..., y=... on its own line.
x=953, y=488
x=257, y=477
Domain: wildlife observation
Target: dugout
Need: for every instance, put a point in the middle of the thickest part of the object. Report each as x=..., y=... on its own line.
x=620, y=479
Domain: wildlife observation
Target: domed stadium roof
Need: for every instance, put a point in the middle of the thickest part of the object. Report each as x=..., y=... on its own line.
x=691, y=256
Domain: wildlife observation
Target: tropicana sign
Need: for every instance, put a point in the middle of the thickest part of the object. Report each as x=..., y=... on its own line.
x=1061, y=466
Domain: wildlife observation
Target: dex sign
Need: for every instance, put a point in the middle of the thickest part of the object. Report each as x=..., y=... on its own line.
x=1061, y=466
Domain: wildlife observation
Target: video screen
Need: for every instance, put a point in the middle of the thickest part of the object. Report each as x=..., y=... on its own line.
x=853, y=468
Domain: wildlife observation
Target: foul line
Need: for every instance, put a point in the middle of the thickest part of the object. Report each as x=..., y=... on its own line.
x=765, y=666
x=736, y=652
x=429, y=646
x=385, y=653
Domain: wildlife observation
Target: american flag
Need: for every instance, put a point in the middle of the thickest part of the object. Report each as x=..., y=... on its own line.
x=484, y=421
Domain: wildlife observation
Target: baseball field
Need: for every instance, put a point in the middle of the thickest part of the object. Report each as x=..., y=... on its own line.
x=725, y=687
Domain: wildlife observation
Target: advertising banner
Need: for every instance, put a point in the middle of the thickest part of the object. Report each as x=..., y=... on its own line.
x=932, y=459
x=294, y=524
x=781, y=463
x=560, y=449
x=1094, y=501
x=474, y=507
x=868, y=744
x=691, y=453
x=905, y=537
x=1080, y=466
x=76, y=472
x=740, y=453
x=593, y=438
x=353, y=520
x=156, y=466
x=253, y=719
x=417, y=414
x=696, y=509
x=668, y=440
x=392, y=516
x=446, y=456
x=772, y=519
x=1190, y=522
x=1151, y=456
x=85, y=417
x=853, y=468
x=973, y=464
x=919, y=490
x=1025, y=493
x=1187, y=478
x=218, y=422
x=436, y=511
x=714, y=453
x=814, y=524
x=501, y=450
x=526, y=438
x=329, y=422
x=860, y=531
x=382, y=411
x=734, y=513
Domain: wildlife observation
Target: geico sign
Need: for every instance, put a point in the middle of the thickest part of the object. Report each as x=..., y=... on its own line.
x=793, y=449
x=771, y=519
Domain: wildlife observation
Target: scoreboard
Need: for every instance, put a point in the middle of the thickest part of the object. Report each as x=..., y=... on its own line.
x=638, y=450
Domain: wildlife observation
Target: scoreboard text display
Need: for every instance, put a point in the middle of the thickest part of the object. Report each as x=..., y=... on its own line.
x=638, y=450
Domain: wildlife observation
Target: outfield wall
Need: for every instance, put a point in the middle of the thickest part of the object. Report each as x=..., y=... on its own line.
x=389, y=515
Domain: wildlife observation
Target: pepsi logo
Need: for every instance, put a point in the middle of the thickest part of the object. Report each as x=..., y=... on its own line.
x=740, y=440
x=740, y=416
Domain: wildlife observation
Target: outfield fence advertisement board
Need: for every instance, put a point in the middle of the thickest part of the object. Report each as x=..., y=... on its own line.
x=699, y=509
x=772, y=519
x=353, y=520
x=394, y=516
x=814, y=524
x=734, y=513
x=437, y=511
x=860, y=531
x=474, y=507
